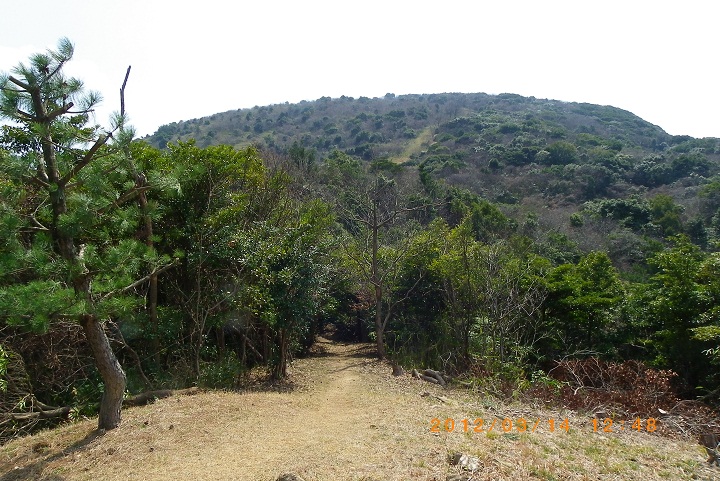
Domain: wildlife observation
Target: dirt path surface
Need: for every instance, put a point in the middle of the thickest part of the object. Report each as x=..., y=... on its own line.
x=344, y=417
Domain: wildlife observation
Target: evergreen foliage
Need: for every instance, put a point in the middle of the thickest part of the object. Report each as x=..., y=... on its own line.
x=69, y=251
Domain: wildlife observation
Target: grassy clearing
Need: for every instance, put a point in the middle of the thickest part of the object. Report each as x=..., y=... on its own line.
x=344, y=418
x=415, y=146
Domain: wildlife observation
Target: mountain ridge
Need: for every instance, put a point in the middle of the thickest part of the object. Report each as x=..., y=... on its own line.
x=271, y=118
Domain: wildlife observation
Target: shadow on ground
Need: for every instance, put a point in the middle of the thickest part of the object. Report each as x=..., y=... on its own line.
x=34, y=469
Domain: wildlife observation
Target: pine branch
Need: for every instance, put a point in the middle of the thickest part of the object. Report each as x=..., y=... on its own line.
x=57, y=69
x=25, y=116
x=58, y=112
x=22, y=85
x=37, y=227
x=107, y=171
x=38, y=181
x=89, y=155
x=86, y=111
x=8, y=89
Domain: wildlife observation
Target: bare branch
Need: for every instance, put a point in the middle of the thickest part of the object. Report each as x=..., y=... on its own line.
x=140, y=281
x=122, y=92
x=54, y=413
x=397, y=302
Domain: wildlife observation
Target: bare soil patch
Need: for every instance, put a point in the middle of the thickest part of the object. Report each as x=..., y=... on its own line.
x=344, y=417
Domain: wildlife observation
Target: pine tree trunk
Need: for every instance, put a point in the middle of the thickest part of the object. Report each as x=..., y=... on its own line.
x=48, y=172
x=111, y=372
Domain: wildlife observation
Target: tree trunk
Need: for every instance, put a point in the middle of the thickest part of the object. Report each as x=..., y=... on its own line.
x=220, y=336
x=379, y=334
x=196, y=358
x=243, y=350
x=146, y=235
x=110, y=370
x=359, y=329
x=280, y=368
x=467, y=325
x=379, y=328
x=266, y=342
x=375, y=279
x=152, y=302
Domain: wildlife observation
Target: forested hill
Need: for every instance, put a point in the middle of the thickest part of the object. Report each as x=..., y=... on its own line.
x=594, y=177
x=393, y=126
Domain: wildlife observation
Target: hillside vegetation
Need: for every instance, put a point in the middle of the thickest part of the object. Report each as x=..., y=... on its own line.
x=552, y=166
x=565, y=253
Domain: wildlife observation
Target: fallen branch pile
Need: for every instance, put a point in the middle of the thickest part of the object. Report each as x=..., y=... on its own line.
x=151, y=396
x=432, y=376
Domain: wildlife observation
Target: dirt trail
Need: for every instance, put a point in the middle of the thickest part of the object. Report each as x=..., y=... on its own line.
x=329, y=423
x=344, y=418
x=333, y=424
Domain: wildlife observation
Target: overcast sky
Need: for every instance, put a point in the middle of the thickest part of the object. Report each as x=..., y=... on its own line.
x=658, y=59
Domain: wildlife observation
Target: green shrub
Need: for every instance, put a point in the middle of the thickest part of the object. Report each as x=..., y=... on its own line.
x=222, y=373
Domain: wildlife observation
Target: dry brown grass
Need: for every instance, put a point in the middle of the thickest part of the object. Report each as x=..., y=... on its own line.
x=344, y=417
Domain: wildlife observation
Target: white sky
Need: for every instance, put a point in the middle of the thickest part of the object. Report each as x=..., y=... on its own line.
x=658, y=59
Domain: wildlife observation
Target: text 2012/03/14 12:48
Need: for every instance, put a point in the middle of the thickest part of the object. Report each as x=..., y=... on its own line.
x=522, y=425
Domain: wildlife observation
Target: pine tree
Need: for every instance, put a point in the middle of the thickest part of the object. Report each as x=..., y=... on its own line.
x=68, y=248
